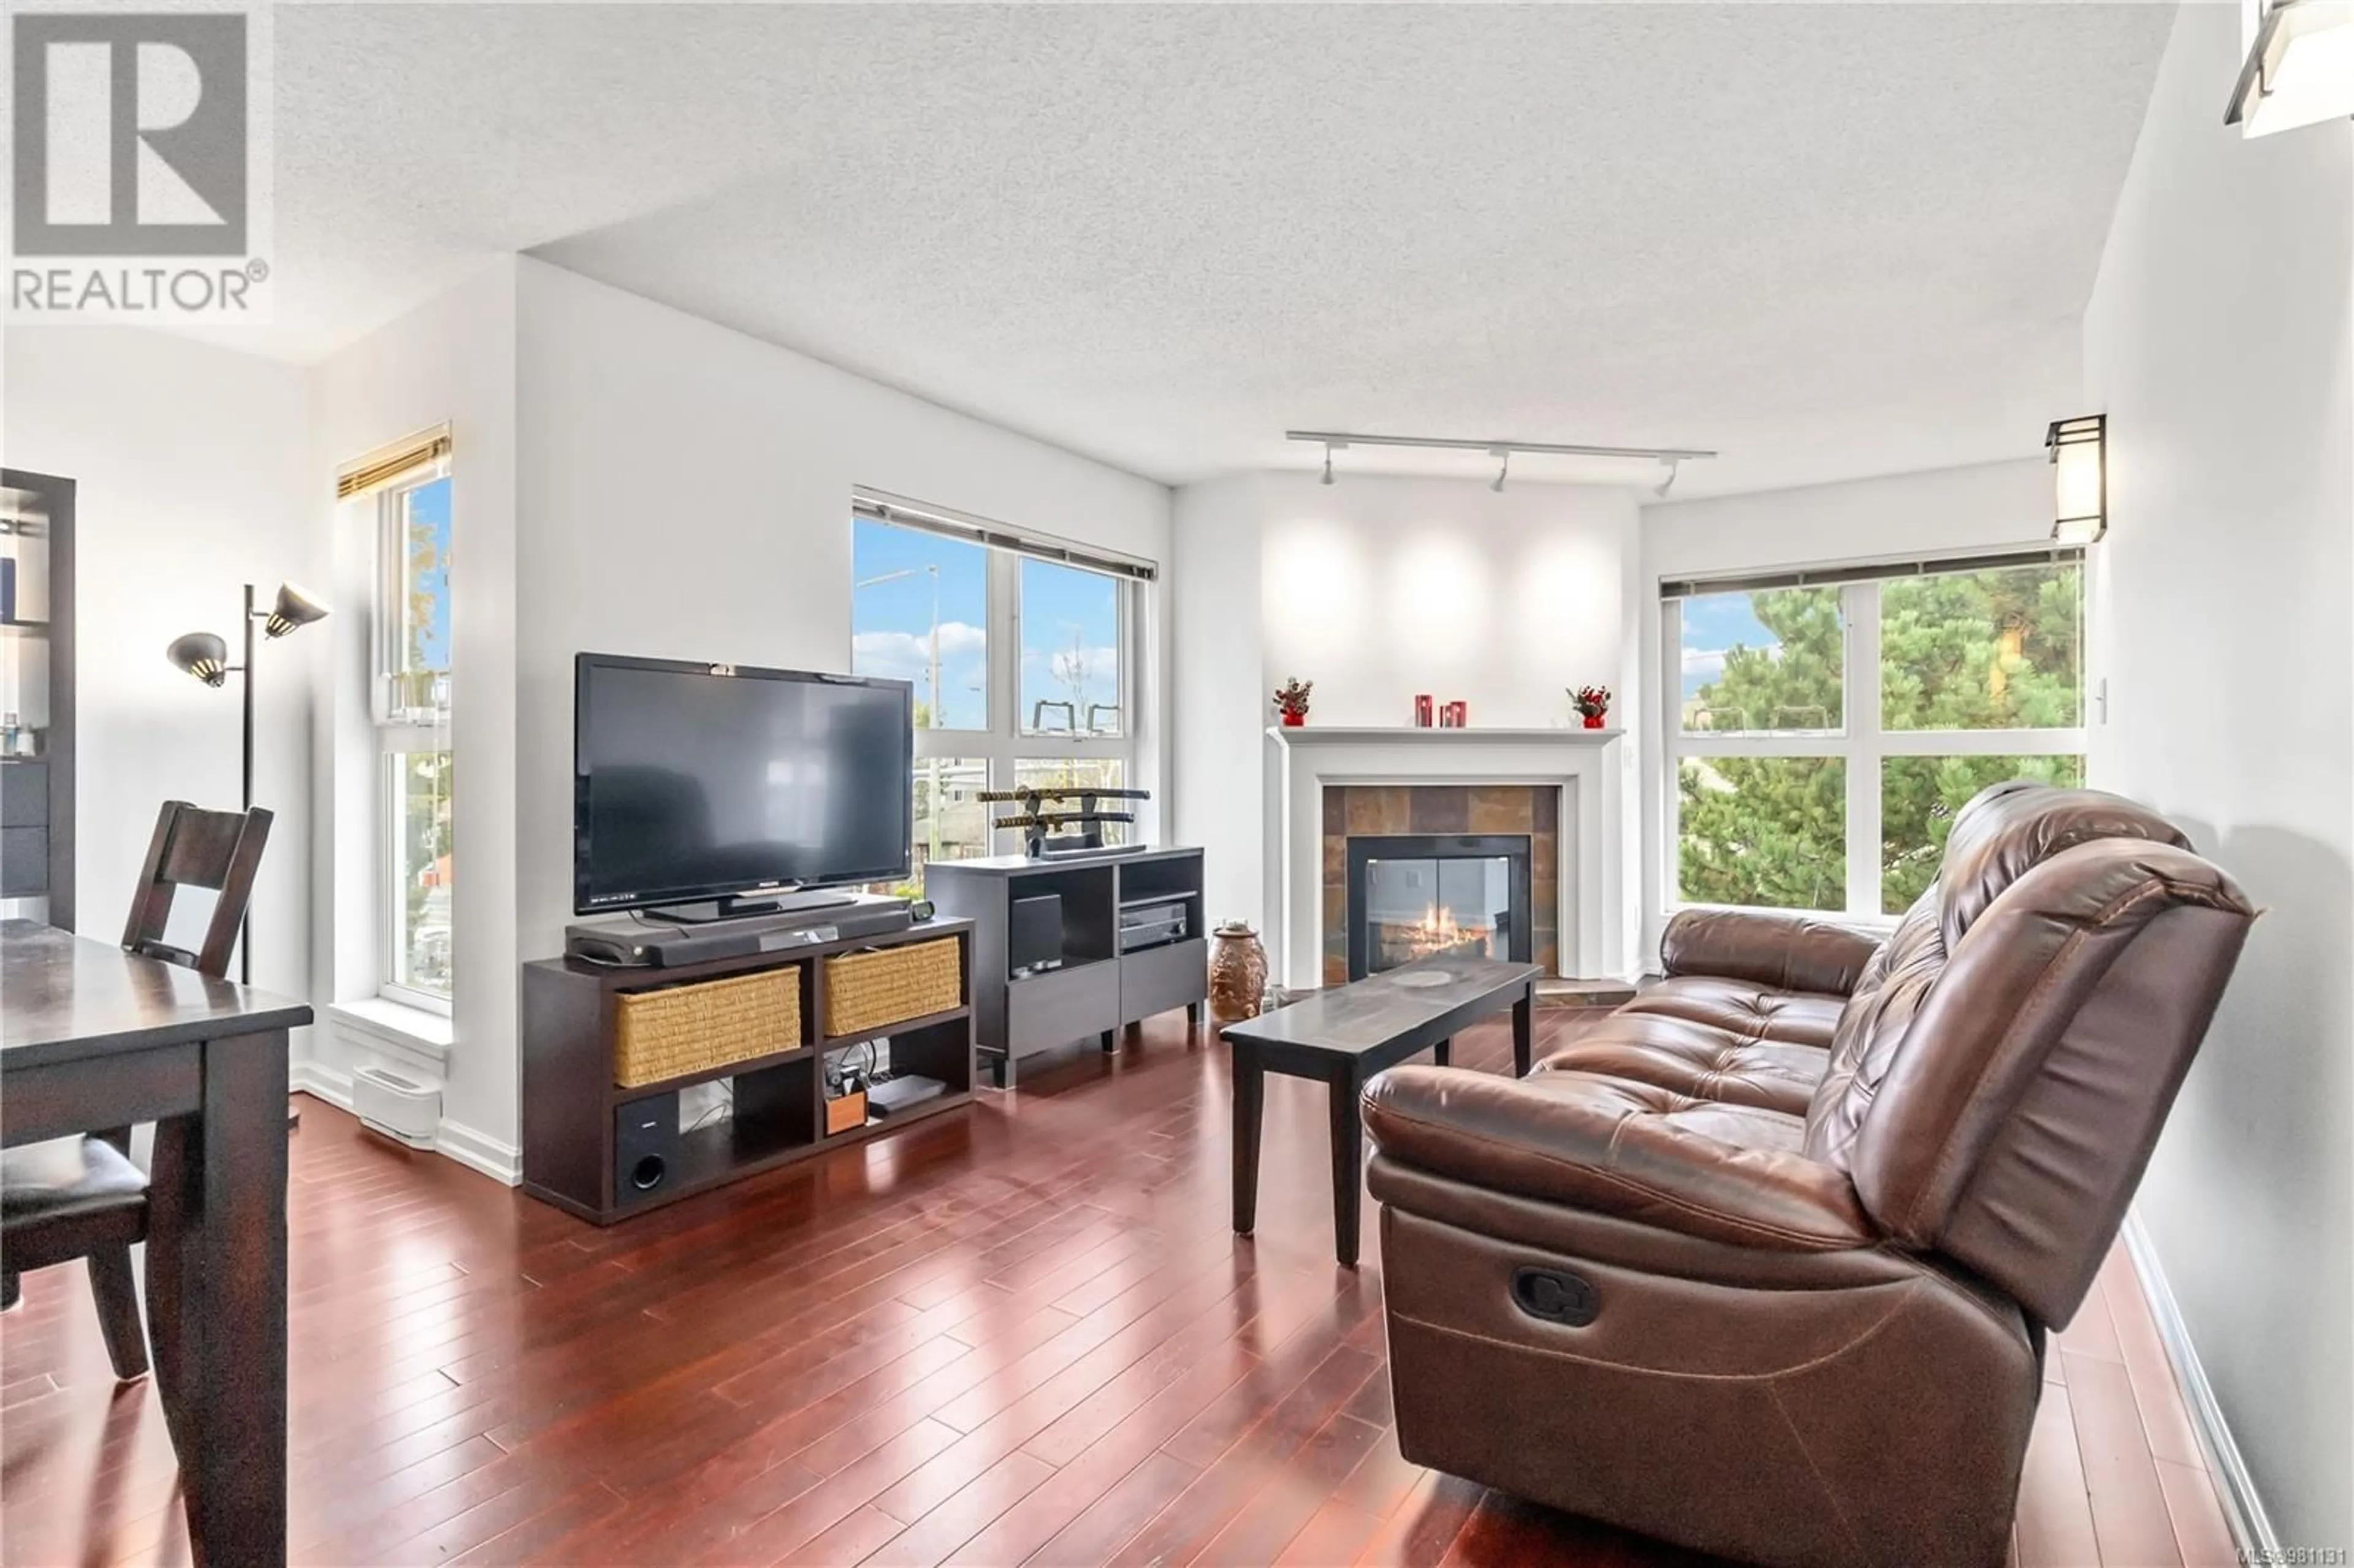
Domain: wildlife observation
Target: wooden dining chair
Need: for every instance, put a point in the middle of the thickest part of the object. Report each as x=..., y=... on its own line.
x=82, y=1197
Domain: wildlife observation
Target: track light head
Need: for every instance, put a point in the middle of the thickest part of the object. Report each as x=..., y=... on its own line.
x=1328, y=464
x=1503, y=467
x=201, y=654
x=1674, y=467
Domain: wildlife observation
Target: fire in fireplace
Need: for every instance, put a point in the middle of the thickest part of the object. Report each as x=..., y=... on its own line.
x=1417, y=896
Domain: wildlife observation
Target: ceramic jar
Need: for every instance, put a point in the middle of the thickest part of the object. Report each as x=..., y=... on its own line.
x=1237, y=972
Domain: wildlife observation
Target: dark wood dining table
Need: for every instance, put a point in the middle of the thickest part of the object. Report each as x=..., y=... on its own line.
x=94, y=1037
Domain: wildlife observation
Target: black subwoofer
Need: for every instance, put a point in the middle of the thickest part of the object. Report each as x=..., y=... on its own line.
x=645, y=1146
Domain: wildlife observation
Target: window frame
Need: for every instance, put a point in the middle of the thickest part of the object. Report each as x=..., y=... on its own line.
x=1863, y=742
x=1005, y=742
x=400, y=729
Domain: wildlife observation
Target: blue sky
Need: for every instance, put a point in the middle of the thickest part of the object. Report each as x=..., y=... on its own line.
x=890, y=623
x=1712, y=624
x=429, y=508
x=891, y=616
x=1070, y=639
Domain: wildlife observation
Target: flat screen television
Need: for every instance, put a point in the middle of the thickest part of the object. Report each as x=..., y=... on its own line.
x=732, y=784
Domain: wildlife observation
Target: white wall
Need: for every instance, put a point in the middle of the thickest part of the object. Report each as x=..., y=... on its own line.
x=191, y=464
x=1986, y=507
x=1379, y=588
x=685, y=491
x=2217, y=341
x=451, y=359
x=1220, y=703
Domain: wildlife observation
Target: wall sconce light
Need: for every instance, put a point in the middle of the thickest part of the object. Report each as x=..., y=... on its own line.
x=2080, y=470
x=2300, y=65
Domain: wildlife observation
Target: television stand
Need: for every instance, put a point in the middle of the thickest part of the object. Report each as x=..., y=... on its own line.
x=720, y=909
x=1113, y=970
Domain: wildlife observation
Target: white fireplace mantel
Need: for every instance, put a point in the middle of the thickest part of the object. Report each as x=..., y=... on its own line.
x=1584, y=765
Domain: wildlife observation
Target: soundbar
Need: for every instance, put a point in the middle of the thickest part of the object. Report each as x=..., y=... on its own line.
x=661, y=945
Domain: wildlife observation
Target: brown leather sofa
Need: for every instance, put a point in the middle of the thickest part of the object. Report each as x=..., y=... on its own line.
x=1762, y=1265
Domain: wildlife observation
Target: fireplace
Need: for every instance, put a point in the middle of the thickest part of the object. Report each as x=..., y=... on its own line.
x=1414, y=896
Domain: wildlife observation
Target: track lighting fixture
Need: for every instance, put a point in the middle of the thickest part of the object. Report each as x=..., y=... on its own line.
x=1335, y=441
x=1675, y=466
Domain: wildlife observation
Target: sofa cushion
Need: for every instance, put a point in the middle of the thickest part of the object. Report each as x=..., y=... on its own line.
x=1778, y=949
x=1739, y=1008
x=1696, y=1060
x=1719, y=1172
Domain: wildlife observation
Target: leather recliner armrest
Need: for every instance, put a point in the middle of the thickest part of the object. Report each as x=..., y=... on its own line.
x=1767, y=947
x=1615, y=1148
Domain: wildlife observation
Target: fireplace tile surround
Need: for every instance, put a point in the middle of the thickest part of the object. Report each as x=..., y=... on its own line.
x=1394, y=779
x=1392, y=810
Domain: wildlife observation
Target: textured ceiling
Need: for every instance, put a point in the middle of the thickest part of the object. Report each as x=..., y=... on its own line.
x=1826, y=239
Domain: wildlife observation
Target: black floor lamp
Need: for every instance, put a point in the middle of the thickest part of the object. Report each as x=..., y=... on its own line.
x=205, y=656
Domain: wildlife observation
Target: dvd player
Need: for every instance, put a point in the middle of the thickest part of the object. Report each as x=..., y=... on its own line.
x=666, y=945
x=1150, y=925
x=894, y=1094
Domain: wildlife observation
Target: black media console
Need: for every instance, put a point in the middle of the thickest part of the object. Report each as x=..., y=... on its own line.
x=1132, y=945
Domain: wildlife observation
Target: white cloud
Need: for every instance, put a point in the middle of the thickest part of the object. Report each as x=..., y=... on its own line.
x=1095, y=660
x=907, y=655
x=1705, y=662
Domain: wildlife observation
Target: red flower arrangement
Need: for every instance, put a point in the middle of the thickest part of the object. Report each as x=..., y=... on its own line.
x=1291, y=699
x=1594, y=701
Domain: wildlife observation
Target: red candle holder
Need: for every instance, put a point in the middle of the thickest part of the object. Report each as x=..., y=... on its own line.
x=1458, y=715
x=1422, y=711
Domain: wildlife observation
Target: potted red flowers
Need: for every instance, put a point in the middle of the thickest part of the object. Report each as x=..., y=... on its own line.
x=1291, y=698
x=1594, y=701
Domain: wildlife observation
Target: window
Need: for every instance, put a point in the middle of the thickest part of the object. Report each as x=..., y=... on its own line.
x=919, y=612
x=1827, y=731
x=1021, y=652
x=412, y=712
x=1767, y=663
x=1070, y=650
x=1072, y=773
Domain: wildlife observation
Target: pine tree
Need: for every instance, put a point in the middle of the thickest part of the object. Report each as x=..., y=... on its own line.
x=1991, y=650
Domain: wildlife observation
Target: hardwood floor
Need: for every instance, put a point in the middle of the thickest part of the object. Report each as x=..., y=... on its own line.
x=1022, y=1334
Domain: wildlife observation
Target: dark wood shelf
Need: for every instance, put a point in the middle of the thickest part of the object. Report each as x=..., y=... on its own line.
x=36, y=803
x=833, y=1042
x=897, y=1119
x=711, y=1074
x=572, y=1109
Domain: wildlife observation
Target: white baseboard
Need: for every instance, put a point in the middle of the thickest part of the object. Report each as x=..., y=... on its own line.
x=321, y=1082
x=2243, y=1510
x=501, y=1162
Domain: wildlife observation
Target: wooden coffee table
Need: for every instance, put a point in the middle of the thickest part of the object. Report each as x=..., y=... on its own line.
x=1346, y=1034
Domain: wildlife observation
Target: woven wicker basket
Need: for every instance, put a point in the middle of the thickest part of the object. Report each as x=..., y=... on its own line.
x=686, y=1028
x=869, y=990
